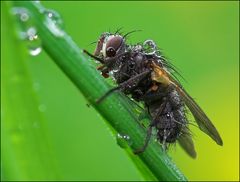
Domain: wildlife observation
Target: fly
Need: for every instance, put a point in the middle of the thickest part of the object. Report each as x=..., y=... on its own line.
x=142, y=72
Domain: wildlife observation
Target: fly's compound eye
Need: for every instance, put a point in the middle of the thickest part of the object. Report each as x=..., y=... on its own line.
x=111, y=52
x=112, y=45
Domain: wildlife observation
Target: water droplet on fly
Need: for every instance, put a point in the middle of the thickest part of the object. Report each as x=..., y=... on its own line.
x=123, y=140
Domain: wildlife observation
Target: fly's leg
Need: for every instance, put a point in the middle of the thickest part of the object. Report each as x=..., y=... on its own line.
x=107, y=94
x=149, y=131
x=132, y=82
x=94, y=57
x=147, y=140
x=108, y=62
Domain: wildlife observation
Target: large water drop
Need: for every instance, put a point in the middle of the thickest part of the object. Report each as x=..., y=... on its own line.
x=54, y=22
x=27, y=31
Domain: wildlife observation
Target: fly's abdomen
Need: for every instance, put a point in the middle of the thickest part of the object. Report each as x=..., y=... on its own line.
x=170, y=121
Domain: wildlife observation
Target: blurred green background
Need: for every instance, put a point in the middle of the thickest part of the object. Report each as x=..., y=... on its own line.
x=200, y=38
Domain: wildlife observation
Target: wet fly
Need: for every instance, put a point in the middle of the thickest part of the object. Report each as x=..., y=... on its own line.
x=144, y=74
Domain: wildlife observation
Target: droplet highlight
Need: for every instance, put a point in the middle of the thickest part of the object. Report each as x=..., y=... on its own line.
x=123, y=141
x=35, y=51
x=54, y=22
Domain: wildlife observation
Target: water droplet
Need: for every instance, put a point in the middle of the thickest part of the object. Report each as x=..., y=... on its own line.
x=35, y=51
x=24, y=17
x=54, y=22
x=50, y=15
x=168, y=115
x=27, y=31
x=110, y=73
x=42, y=108
x=150, y=47
x=115, y=70
x=32, y=33
x=123, y=140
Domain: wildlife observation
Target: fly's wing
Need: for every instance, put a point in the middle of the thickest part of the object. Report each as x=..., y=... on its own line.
x=201, y=118
x=204, y=123
x=186, y=142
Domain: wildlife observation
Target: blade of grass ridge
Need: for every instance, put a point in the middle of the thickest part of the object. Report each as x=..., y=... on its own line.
x=26, y=152
x=117, y=112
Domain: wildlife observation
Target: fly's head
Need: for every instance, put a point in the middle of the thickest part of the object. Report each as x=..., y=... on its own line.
x=109, y=45
x=111, y=51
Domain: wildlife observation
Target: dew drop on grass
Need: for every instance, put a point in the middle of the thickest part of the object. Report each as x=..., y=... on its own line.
x=123, y=141
x=54, y=22
x=34, y=43
x=24, y=17
x=27, y=32
x=35, y=51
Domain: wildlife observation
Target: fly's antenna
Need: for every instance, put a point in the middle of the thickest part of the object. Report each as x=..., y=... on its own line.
x=118, y=30
x=131, y=33
x=93, y=43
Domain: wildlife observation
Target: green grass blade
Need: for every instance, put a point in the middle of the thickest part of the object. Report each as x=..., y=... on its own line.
x=25, y=147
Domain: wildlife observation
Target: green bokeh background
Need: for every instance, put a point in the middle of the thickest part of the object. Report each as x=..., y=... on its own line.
x=202, y=40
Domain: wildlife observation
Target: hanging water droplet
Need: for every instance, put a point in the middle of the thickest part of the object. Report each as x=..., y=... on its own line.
x=34, y=43
x=32, y=33
x=27, y=31
x=110, y=73
x=35, y=51
x=42, y=108
x=123, y=140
